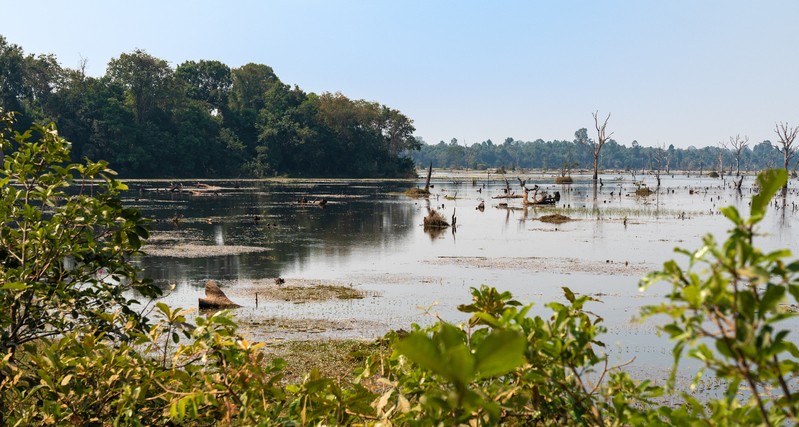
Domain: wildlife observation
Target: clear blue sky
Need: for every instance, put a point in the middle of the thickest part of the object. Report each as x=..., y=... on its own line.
x=675, y=72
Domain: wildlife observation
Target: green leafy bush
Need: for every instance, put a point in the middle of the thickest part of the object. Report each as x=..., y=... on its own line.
x=727, y=310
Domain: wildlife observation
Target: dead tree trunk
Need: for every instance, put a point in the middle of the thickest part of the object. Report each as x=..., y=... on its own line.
x=427, y=182
x=215, y=298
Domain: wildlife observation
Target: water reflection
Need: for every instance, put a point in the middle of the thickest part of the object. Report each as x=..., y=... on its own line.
x=371, y=235
x=267, y=215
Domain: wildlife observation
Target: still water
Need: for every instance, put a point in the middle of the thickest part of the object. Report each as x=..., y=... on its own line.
x=369, y=236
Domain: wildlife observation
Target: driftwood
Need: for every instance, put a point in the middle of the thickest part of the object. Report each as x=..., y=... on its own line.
x=215, y=298
x=544, y=199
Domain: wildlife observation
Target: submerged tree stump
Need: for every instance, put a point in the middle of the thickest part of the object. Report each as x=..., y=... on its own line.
x=422, y=192
x=434, y=220
x=215, y=298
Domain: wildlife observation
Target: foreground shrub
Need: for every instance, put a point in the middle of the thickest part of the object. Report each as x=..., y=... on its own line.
x=727, y=310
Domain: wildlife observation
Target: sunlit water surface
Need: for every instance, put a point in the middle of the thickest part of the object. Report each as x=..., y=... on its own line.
x=370, y=236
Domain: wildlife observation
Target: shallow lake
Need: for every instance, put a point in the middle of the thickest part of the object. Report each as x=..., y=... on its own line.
x=369, y=237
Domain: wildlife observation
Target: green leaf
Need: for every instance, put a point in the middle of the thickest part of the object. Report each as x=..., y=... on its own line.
x=568, y=294
x=773, y=295
x=14, y=286
x=770, y=181
x=133, y=238
x=420, y=349
x=794, y=290
x=500, y=353
x=732, y=213
x=460, y=365
x=723, y=348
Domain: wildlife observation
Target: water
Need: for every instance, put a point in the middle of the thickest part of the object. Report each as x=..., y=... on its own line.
x=369, y=236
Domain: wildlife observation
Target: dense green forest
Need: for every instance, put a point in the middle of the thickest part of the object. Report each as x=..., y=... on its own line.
x=204, y=119
x=557, y=155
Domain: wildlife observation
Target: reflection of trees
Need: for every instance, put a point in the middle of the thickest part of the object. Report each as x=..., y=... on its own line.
x=295, y=232
x=783, y=208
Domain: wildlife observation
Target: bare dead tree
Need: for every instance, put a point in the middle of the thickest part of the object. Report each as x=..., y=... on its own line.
x=738, y=144
x=427, y=181
x=720, y=154
x=787, y=135
x=668, y=160
x=601, y=138
x=660, y=160
x=82, y=63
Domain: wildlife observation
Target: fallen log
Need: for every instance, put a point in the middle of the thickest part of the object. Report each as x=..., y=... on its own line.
x=215, y=298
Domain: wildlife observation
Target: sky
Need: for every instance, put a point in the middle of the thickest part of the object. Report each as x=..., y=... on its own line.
x=680, y=72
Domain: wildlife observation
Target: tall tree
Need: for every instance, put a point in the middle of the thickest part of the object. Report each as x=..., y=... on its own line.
x=722, y=150
x=661, y=159
x=249, y=89
x=147, y=81
x=601, y=138
x=208, y=81
x=12, y=74
x=738, y=144
x=786, y=135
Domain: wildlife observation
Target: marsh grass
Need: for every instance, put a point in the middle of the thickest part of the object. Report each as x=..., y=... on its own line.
x=554, y=219
x=193, y=250
x=333, y=358
x=417, y=192
x=611, y=212
x=323, y=292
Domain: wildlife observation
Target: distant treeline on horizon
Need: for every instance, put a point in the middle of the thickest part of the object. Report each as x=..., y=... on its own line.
x=204, y=119
x=568, y=155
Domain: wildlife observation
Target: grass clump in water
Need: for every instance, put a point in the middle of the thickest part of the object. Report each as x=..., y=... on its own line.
x=643, y=191
x=300, y=294
x=434, y=219
x=554, y=219
x=417, y=192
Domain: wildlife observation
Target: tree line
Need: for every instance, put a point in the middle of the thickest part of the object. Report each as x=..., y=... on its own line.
x=566, y=155
x=204, y=119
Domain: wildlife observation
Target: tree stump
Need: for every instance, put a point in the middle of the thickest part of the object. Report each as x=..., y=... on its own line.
x=215, y=298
